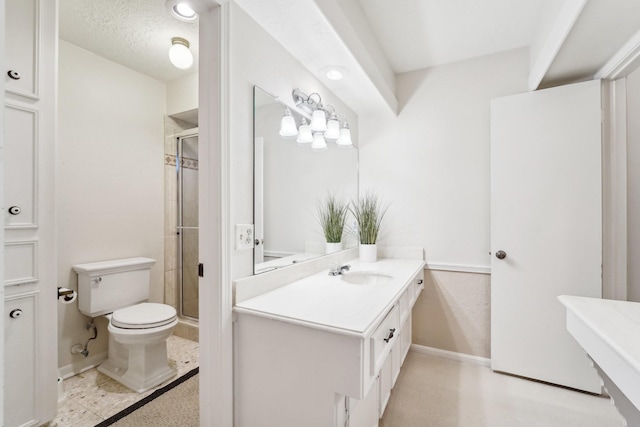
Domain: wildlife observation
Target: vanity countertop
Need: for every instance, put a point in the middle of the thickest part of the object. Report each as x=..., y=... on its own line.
x=609, y=331
x=327, y=302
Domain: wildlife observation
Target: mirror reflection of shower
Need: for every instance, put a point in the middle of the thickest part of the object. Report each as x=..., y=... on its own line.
x=187, y=222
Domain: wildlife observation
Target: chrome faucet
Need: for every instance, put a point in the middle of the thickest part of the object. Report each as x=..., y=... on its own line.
x=339, y=270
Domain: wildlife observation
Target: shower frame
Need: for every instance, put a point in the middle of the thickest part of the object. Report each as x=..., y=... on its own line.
x=180, y=227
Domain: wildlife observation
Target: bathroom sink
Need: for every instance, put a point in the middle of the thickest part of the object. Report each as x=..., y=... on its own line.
x=366, y=277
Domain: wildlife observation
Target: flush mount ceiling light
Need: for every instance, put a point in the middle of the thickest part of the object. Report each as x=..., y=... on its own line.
x=319, y=130
x=179, y=53
x=182, y=10
x=335, y=72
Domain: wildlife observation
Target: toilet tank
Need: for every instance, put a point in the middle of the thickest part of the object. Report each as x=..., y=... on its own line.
x=106, y=286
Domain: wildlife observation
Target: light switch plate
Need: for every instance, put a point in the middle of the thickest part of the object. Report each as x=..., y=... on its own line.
x=244, y=236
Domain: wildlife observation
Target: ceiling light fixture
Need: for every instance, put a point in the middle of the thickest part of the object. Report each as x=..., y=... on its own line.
x=182, y=10
x=335, y=72
x=179, y=53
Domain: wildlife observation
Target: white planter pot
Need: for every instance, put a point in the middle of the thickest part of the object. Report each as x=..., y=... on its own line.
x=333, y=247
x=368, y=253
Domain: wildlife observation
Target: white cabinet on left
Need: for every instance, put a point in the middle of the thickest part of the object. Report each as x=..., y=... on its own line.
x=27, y=153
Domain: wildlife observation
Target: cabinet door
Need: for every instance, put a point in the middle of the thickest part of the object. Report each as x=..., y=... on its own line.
x=21, y=40
x=385, y=383
x=546, y=217
x=20, y=360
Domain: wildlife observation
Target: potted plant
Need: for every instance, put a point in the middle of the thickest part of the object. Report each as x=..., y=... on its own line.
x=332, y=214
x=368, y=213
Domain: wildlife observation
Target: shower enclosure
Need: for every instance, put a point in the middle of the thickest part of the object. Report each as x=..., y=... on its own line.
x=187, y=222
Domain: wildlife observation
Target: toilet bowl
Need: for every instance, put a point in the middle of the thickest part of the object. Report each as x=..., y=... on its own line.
x=138, y=330
x=137, y=345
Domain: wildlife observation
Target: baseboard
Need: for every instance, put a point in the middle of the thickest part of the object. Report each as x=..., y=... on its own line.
x=452, y=355
x=83, y=365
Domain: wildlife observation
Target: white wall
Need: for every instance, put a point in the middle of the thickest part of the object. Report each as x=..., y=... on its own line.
x=182, y=94
x=431, y=165
x=633, y=186
x=257, y=59
x=110, y=178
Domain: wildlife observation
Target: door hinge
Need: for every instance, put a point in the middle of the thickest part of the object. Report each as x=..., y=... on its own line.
x=201, y=270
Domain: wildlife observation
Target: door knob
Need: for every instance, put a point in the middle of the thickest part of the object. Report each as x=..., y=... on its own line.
x=15, y=210
x=501, y=254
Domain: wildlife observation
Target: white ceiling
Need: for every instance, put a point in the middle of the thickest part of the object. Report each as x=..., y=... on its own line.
x=373, y=39
x=417, y=34
x=134, y=33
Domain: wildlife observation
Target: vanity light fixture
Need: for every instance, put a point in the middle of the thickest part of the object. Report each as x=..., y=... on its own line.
x=319, y=130
x=333, y=128
x=345, y=136
x=319, y=144
x=304, y=133
x=179, y=53
x=288, y=127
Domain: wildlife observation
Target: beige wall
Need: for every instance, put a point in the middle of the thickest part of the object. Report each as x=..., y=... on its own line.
x=454, y=313
x=110, y=195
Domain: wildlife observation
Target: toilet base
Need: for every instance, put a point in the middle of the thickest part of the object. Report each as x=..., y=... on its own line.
x=135, y=365
x=135, y=382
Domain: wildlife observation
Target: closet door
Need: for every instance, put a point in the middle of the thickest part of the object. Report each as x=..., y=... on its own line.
x=546, y=229
x=29, y=276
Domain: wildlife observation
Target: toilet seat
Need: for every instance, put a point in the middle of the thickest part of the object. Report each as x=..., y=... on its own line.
x=143, y=316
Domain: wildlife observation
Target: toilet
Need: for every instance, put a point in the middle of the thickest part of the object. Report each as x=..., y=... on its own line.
x=138, y=330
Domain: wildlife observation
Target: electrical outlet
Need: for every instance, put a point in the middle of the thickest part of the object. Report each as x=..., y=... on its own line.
x=244, y=236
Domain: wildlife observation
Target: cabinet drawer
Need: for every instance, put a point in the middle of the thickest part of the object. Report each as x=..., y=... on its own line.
x=383, y=338
x=417, y=285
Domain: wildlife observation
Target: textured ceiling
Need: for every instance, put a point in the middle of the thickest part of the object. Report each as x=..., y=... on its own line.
x=134, y=33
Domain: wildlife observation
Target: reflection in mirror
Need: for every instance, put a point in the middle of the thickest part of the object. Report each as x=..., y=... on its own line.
x=290, y=182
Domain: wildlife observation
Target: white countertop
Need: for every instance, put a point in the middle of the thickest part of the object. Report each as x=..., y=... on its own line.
x=609, y=331
x=327, y=302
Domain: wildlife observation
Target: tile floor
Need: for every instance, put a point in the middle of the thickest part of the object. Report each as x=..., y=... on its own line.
x=437, y=392
x=91, y=397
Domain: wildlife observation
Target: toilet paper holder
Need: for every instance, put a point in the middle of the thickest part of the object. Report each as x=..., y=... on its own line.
x=66, y=294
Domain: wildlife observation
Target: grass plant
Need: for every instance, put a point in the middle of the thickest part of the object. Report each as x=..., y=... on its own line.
x=332, y=214
x=368, y=212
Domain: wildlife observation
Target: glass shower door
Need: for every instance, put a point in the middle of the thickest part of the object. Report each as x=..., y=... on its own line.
x=188, y=224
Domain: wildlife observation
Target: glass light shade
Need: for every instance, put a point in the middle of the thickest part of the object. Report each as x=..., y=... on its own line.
x=304, y=133
x=179, y=53
x=319, y=143
x=288, y=127
x=345, y=137
x=333, y=128
x=318, y=121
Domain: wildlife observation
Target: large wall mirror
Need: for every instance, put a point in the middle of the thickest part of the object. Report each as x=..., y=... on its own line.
x=290, y=181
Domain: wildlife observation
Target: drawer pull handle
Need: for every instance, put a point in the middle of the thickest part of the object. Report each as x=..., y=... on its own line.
x=390, y=335
x=420, y=281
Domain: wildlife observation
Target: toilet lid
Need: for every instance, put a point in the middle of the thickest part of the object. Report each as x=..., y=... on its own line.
x=144, y=315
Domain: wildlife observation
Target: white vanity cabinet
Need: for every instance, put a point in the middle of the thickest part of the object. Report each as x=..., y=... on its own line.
x=322, y=352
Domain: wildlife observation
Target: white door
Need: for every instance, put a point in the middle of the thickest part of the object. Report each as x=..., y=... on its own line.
x=29, y=276
x=546, y=217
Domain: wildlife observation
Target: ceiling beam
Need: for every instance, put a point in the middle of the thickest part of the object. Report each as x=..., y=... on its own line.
x=561, y=28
